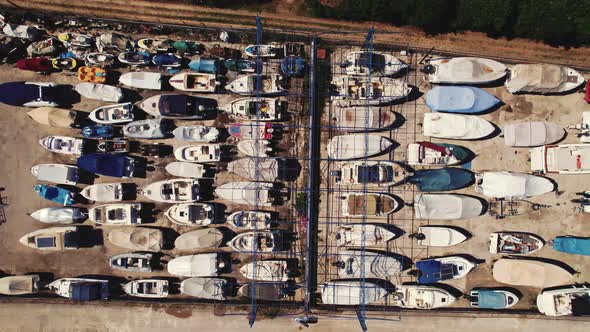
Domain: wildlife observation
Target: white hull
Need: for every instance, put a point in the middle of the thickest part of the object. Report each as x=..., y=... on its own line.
x=511, y=185
x=454, y=126
x=465, y=70
x=104, y=192
x=190, y=214
x=186, y=170
x=423, y=297
x=59, y=215
x=194, y=82
x=142, y=80
x=558, y=302
x=561, y=159
x=352, y=235
x=199, y=239
x=267, y=270
x=173, y=191
x=440, y=236
x=356, y=146
x=116, y=214
x=198, y=153
x=351, y=292
x=63, y=144
x=542, y=78
x=112, y=114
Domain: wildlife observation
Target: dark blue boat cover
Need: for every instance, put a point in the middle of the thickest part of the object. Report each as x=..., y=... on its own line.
x=572, y=245
x=104, y=164
x=18, y=93
x=55, y=194
x=88, y=291
x=183, y=105
x=441, y=179
x=293, y=66
x=432, y=271
x=490, y=299
x=165, y=59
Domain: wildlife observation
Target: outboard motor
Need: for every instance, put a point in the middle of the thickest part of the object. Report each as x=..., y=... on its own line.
x=337, y=174
x=428, y=69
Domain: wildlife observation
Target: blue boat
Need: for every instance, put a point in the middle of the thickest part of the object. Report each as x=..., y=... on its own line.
x=240, y=65
x=572, y=245
x=293, y=66
x=487, y=298
x=55, y=194
x=167, y=60
x=432, y=271
x=99, y=131
x=116, y=164
x=460, y=99
x=441, y=179
x=29, y=94
x=201, y=65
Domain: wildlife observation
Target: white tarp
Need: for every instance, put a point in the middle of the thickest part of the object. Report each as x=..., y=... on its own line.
x=446, y=206
x=200, y=265
x=512, y=185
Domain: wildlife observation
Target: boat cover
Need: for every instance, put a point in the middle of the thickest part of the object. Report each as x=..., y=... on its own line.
x=356, y=146
x=138, y=238
x=376, y=265
x=293, y=66
x=200, y=265
x=432, y=271
x=459, y=99
x=529, y=272
x=540, y=78
x=441, y=179
x=20, y=93
x=456, y=126
x=102, y=92
x=490, y=299
x=446, y=206
x=198, y=239
x=204, y=288
x=166, y=60
x=251, y=193
x=104, y=164
x=512, y=185
x=255, y=169
x=35, y=64
x=88, y=291
x=572, y=245
x=532, y=133
x=201, y=65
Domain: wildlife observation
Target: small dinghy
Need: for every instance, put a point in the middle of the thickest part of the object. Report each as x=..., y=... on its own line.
x=60, y=215
x=263, y=51
x=137, y=238
x=249, y=193
x=262, y=241
x=489, y=298
x=186, y=170
x=377, y=266
x=256, y=109
x=150, y=128
x=359, y=63
x=81, y=289
x=571, y=245
x=56, y=173
x=434, y=270
x=514, y=243
x=30, y=94
x=352, y=292
x=254, y=169
x=355, y=146
x=564, y=301
x=352, y=235
x=132, y=262
x=196, y=133
x=357, y=91
x=253, y=130
x=460, y=99
x=78, y=40
x=135, y=58
x=116, y=214
x=101, y=92
x=246, y=85
x=266, y=270
x=102, y=60
x=104, y=192
x=92, y=74
x=246, y=220
x=56, y=117
x=19, y=285
x=255, y=148
x=173, y=191
x=542, y=78
x=463, y=70
x=142, y=80
x=511, y=185
x=199, y=239
x=55, y=194
x=199, y=265
x=204, y=288
x=199, y=153
x=454, y=126
x=441, y=179
x=240, y=65
x=357, y=204
x=561, y=159
x=115, y=164
x=532, y=133
x=436, y=154
x=191, y=214
x=168, y=60
x=350, y=119
x=439, y=236
x=155, y=44
x=195, y=82
x=178, y=106
x=149, y=288
x=422, y=297
x=52, y=238
x=113, y=114
x=447, y=206
x=264, y=291
x=530, y=273
x=370, y=173
x=63, y=144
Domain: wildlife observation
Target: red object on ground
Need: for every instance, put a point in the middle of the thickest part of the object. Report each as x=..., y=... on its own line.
x=587, y=97
x=34, y=64
x=321, y=53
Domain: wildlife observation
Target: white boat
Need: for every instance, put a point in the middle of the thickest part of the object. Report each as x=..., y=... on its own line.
x=358, y=63
x=561, y=159
x=370, y=173
x=246, y=85
x=355, y=146
x=199, y=239
x=542, y=78
x=56, y=117
x=433, y=270
x=137, y=238
x=255, y=169
x=447, y=206
x=422, y=297
x=102, y=60
x=261, y=241
x=530, y=272
x=376, y=265
x=435, y=154
x=150, y=128
x=255, y=148
x=250, y=220
x=359, y=235
x=173, y=191
x=116, y=214
x=80, y=289
x=195, y=82
x=250, y=193
x=358, y=91
x=191, y=214
x=113, y=114
x=178, y=106
x=186, y=170
x=357, y=204
x=352, y=292
x=56, y=173
x=463, y=70
x=142, y=80
x=60, y=215
x=132, y=262
x=351, y=119
x=104, y=192
x=511, y=185
x=455, y=126
x=101, y=92
x=204, y=288
x=196, y=133
x=19, y=285
x=154, y=45
x=149, y=288
x=198, y=153
x=263, y=51
x=77, y=40
x=134, y=59
x=514, y=243
x=439, y=236
x=53, y=238
x=256, y=109
x=199, y=265
x=63, y=144
x=532, y=133
x=564, y=301
x=490, y=298
x=266, y=270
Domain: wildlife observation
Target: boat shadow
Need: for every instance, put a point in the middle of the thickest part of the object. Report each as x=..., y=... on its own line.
x=290, y=171
x=115, y=283
x=89, y=237
x=148, y=213
x=66, y=96
x=85, y=177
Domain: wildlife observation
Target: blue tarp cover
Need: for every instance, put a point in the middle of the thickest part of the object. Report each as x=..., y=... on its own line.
x=204, y=66
x=18, y=93
x=441, y=179
x=490, y=299
x=572, y=245
x=432, y=271
x=459, y=99
x=293, y=66
x=165, y=59
x=55, y=194
x=87, y=291
x=104, y=164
